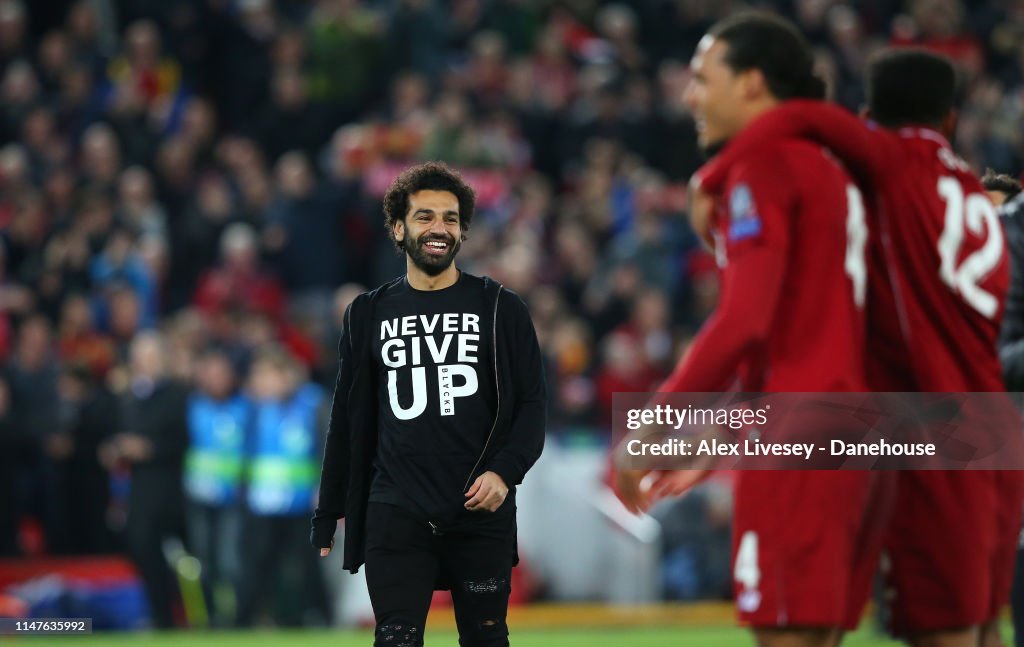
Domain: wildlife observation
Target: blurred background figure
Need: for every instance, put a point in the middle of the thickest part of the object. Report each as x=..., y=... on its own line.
x=238, y=281
x=149, y=444
x=13, y=449
x=218, y=419
x=289, y=416
x=87, y=418
x=32, y=376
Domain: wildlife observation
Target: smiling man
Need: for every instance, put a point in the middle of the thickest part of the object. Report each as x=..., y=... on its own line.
x=438, y=414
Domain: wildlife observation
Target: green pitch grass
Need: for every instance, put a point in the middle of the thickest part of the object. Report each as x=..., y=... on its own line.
x=710, y=637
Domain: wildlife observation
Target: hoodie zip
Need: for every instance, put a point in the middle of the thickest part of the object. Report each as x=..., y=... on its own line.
x=497, y=389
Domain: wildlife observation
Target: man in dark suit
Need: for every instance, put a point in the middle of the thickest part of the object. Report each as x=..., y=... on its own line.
x=151, y=443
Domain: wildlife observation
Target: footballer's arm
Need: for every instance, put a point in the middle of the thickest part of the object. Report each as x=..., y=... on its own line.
x=862, y=146
x=752, y=281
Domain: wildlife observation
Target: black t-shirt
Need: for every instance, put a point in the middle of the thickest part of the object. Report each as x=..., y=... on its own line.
x=436, y=398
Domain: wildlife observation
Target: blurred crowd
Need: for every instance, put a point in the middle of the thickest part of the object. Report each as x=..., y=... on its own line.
x=190, y=197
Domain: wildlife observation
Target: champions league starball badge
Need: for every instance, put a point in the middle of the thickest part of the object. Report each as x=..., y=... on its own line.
x=743, y=219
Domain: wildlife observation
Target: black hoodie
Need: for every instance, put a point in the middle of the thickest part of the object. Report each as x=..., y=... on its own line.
x=513, y=443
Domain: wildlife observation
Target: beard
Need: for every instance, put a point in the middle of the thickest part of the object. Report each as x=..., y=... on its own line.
x=427, y=263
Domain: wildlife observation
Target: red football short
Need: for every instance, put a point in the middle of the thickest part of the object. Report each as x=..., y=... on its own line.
x=1010, y=503
x=952, y=545
x=806, y=545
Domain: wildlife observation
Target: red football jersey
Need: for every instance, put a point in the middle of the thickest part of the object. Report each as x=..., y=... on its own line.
x=938, y=274
x=790, y=238
x=939, y=265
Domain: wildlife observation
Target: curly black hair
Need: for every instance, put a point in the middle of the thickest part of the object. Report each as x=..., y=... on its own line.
x=429, y=176
x=1006, y=184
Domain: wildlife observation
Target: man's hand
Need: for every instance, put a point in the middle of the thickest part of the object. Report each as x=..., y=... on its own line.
x=675, y=483
x=324, y=552
x=638, y=490
x=629, y=488
x=321, y=534
x=487, y=493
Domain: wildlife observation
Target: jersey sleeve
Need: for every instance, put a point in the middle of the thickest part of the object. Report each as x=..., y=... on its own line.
x=753, y=234
x=863, y=147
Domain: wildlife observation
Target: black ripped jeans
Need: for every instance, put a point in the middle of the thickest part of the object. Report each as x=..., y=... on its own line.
x=406, y=559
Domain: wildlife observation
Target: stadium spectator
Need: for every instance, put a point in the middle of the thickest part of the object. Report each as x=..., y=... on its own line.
x=75, y=106
x=413, y=33
x=198, y=233
x=304, y=233
x=241, y=62
x=93, y=33
x=197, y=128
x=345, y=43
x=24, y=235
x=938, y=25
x=44, y=148
x=291, y=121
x=78, y=341
x=150, y=442
x=141, y=75
x=120, y=265
x=125, y=317
x=1005, y=192
x=101, y=157
x=285, y=443
x=16, y=448
x=239, y=283
x=649, y=326
x=175, y=172
x=624, y=369
x=87, y=418
x=13, y=31
x=55, y=56
x=32, y=378
x=569, y=353
x=697, y=530
x=219, y=418
x=138, y=208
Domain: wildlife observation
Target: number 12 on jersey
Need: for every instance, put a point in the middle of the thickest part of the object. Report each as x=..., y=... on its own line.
x=978, y=214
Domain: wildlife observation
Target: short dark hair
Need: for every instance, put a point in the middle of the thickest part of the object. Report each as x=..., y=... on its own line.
x=910, y=86
x=1005, y=184
x=763, y=41
x=429, y=176
x=277, y=358
x=214, y=351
